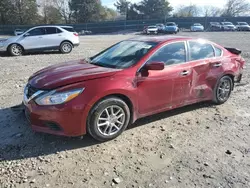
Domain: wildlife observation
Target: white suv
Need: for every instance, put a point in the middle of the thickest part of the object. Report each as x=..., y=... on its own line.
x=41, y=38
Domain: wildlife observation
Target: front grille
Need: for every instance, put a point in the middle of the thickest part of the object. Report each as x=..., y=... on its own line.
x=31, y=91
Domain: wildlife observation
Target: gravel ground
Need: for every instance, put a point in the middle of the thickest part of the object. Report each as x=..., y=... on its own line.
x=200, y=145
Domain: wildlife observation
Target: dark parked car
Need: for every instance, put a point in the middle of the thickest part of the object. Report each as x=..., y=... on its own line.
x=215, y=26
x=161, y=28
x=132, y=79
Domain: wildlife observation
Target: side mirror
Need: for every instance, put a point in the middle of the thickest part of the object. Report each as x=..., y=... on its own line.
x=155, y=66
x=26, y=35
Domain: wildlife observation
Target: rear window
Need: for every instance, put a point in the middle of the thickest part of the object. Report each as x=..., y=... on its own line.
x=70, y=29
x=200, y=50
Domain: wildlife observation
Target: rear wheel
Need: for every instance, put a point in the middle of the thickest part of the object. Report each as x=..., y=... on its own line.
x=66, y=47
x=15, y=50
x=223, y=90
x=108, y=119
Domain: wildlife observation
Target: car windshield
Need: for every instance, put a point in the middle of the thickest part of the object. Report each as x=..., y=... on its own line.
x=152, y=27
x=171, y=24
x=227, y=23
x=243, y=23
x=215, y=23
x=123, y=55
x=197, y=24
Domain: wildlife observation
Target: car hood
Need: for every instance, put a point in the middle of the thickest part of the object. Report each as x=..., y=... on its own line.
x=12, y=39
x=68, y=73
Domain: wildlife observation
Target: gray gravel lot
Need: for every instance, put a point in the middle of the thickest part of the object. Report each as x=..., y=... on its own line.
x=200, y=145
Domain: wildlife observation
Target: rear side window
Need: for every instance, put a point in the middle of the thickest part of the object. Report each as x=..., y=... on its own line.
x=51, y=30
x=170, y=54
x=70, y=29
x=218, y=51
x=200, y=50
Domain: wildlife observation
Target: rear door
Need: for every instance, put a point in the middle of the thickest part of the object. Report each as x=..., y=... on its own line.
x=202, y=59
x=53, y=37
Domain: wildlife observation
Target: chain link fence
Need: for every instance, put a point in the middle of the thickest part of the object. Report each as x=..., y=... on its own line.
x=131, y=25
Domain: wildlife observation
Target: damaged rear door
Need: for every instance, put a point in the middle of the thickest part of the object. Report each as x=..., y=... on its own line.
x=201, y=54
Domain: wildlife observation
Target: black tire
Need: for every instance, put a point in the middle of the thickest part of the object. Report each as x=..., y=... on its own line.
x=15, y=50
x=66, y=47
x=96, y=113
x=220, y=95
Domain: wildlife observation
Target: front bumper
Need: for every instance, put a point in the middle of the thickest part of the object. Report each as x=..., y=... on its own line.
x=3, y=49
x=64, y=120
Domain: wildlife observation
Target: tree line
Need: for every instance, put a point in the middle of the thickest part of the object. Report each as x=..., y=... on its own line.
x=83, y=11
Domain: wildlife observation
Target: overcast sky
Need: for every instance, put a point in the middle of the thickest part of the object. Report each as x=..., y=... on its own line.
x=176, y=3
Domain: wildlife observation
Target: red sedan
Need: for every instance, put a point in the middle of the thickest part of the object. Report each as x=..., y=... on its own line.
x=134, y=78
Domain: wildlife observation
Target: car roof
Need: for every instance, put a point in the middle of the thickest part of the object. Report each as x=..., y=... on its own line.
x=40, y=26
x=160, y=39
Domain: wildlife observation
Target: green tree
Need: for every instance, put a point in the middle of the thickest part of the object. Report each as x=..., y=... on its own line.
x=122, y=6
x=85, y=10
x=6, y=12
x=53, y=15
x=26, y=11
x=154, y=9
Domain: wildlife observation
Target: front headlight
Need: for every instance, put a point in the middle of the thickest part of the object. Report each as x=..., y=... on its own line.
x=54, y=98
x=3, y=40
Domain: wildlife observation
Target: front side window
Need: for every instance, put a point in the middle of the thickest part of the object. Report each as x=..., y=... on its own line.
x=37, y=31
x=170, y=54
x=123, y=55
x=200, y=50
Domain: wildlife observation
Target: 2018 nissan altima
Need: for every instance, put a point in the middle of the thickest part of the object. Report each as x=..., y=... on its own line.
x=62, y=38
x=132, y=79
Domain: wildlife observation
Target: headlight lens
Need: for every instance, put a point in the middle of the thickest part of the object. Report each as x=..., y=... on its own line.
x=3, y=40
x=54, y=98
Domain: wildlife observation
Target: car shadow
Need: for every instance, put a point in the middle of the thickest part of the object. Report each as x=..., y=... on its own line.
x=18, y=141
x=5, y=54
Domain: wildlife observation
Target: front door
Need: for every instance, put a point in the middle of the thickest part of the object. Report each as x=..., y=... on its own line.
x=33, y=39
x=159, y=90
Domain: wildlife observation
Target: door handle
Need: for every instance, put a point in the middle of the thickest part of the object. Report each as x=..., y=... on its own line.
x=40, y=37
x=217, y=64
x=184, y=73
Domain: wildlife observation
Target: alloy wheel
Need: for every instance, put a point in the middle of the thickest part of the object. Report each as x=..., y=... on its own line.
x=224, y=90
x=111, y=120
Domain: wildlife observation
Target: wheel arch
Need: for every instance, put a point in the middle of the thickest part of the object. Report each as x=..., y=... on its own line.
x=67, y=41
x=15, y=43
x=121, y=96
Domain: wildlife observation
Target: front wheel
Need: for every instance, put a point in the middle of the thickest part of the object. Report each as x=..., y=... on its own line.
x=223, y=90
x=108, y=119
x=15, y=50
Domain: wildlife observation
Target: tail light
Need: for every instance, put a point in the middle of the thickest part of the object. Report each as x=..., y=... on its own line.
x=76, y=34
